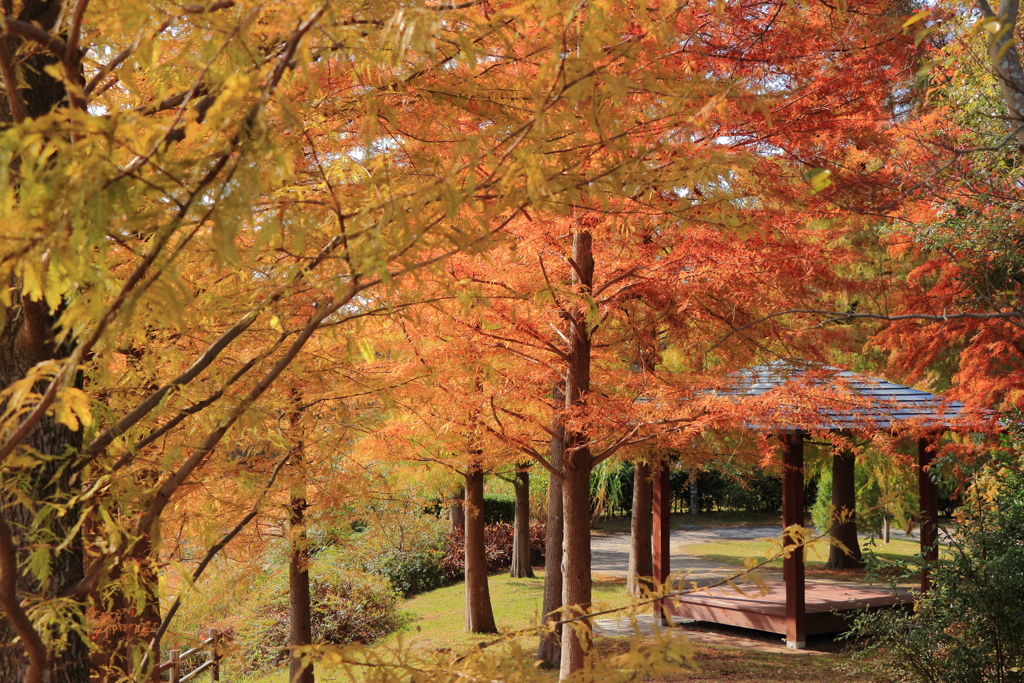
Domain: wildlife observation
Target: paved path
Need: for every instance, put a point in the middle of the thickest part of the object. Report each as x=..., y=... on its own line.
x=609, y=553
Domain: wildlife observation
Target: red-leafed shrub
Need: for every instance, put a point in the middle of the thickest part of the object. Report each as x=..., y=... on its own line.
x=497, y=546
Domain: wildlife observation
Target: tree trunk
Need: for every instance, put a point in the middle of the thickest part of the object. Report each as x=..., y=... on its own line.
x=479, y=615
x=641, y=568
x=694, y=495
x=1006, y=61
x=577, y=584
x=457, y=512
x=26, y=339
x=521, y=566
x=300, y=618
x=24, y=342
x=550, y=650
x=576, y=581
x=844, y=507
x=128, y=627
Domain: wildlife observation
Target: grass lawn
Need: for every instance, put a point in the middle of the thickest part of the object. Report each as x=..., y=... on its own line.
x=435, y=622
x=437, y=618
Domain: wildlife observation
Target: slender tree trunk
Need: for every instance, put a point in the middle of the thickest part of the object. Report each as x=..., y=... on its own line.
x=479, y=615
x=844, y=507
x=694, y=495
x=146, y=623
x=301, y=622
x=641, y=567
x=457, y=512
x=576, y=581
x=550, y=650
x=128, y=626
x=577, y=584
x=521, y=566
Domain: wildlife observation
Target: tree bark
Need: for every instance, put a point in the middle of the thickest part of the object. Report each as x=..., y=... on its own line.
x=26, y=339
x=576, y=581
x=1006, y=62
x=22, y=344
x=577, y=584
x=521, y=566
x=844, y=507
x=479, y=615
x=641, y=567
x=550, y=650
x=694, y=495
x=300, y=632
x=457, y=512
x=120, y=645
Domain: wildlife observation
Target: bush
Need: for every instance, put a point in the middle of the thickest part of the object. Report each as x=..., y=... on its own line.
x=410, y=571
x=499, y=510
x=345, y=608
x=969, y=627
x=498, y=540
x=404, y=547
x=753, y=491
x=496, y=509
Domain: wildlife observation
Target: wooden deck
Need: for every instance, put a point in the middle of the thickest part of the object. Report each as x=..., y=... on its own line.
x=829, y=607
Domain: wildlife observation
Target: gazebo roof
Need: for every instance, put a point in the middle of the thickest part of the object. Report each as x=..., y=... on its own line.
x=823, y=397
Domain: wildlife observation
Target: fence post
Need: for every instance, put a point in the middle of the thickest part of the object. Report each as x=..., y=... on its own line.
x=173, y=661
x=214, y=655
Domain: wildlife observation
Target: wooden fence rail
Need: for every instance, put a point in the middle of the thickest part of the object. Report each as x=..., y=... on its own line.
x=212, y=664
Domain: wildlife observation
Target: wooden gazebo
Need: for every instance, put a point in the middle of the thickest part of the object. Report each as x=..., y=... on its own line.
x=839, y=401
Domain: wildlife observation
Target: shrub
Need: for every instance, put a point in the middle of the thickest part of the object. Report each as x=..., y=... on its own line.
x=411, y=570
x=403, y=547
x=499, y=510
x=345, y=608
x=969, y=627
x=497, y=546
x=496, y=509
x=754, y=491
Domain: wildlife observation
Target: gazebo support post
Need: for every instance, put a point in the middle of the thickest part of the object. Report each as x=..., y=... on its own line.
x=928, y=520
x=661, y=504
x=793, y=513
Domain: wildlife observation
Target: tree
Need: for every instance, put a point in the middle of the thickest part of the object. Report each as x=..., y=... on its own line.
x=641, y=568
x=210, y=188
x=522, y=568
x=300, y=632
x=692, y=233
x=947, y=302
x=479, y=614
x=844, y=551
x=967, y=626
x=205, y=190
